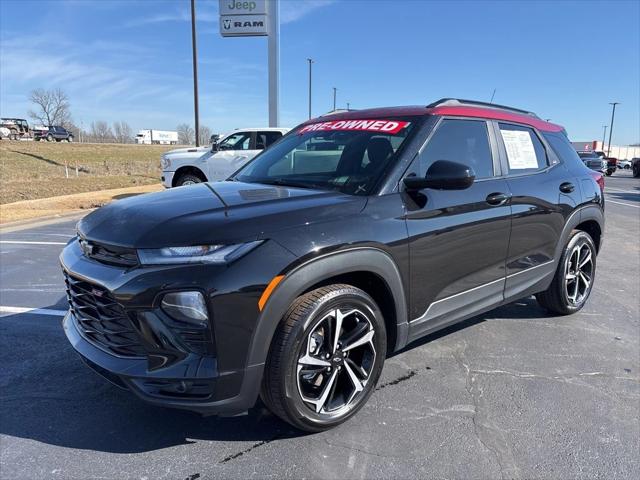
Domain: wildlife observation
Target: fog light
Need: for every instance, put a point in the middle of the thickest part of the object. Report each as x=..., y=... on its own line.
x=187, y=307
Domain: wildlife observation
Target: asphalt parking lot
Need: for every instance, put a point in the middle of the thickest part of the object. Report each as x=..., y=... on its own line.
x=514, y=393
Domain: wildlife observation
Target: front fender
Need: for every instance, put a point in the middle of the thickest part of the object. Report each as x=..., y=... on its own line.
x=304, y=276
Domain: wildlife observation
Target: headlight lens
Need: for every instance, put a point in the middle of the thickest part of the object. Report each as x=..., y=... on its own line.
x=213, y=254
x=187, y=307
x=165, y=162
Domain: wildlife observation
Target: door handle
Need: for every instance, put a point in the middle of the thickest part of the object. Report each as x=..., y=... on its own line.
x=567, y=187
x=496, y=199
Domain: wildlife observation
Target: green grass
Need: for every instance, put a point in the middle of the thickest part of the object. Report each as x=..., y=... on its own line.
x=31, y=170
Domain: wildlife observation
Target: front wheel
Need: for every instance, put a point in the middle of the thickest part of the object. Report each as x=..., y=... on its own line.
x=70, y=138
x=325, y=358
x=187, y=179
x=574, y=277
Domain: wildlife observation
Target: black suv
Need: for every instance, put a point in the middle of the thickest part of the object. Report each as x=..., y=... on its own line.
x=56, y=133
x=346, y=240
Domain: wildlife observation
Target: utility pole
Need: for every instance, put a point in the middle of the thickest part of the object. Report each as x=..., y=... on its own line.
x=310, y=60
x=195, y=70
x=348, y=106
x=334, y=97
x=613, y=114
x=604, y=135
x=273, y=7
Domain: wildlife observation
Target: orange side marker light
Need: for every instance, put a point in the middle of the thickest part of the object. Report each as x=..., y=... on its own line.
x=269, y=290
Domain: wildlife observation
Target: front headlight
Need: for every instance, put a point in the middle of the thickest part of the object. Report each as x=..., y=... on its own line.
x=213, y=254
x=165, y=163
x=187, y=307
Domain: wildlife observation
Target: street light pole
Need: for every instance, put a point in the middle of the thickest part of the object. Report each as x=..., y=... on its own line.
x=604, y=135
x=348, y=104
x=613, y=114
x=274, y=62
x=310, y=60
x=195, y=70
x=334, y=97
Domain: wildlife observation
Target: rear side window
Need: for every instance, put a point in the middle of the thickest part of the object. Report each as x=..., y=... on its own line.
x=462, y=141
x=565, y=150
x=264, y=139
x=525, y=152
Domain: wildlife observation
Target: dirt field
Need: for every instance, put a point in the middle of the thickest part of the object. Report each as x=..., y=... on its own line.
x=32, y=170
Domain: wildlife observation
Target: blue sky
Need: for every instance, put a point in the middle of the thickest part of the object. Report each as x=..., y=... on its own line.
x=131, y=60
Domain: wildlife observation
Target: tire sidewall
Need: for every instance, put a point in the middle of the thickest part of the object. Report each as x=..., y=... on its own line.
x=579, y=238
x=299, y=410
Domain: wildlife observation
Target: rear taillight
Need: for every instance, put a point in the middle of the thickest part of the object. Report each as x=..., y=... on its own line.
x=599, y=178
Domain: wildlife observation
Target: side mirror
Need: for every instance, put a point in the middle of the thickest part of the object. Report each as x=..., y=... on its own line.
x=214, y=146
x=443, y=175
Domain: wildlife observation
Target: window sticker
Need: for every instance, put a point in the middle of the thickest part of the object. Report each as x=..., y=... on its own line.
x=520, y=151
x=369, y=125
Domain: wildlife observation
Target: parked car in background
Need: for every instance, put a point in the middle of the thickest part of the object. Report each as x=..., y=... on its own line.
x=157, y=137
x=296, y=279
x=593, y=161
x=612, y=165
x=624, y=164
x=185, y=166
x=57, y=133
x=635, y=166
x=15, y=129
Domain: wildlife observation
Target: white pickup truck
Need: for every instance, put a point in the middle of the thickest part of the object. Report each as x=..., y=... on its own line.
x=185, y=166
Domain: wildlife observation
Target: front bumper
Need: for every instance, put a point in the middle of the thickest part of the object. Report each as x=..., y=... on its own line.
x=194, y=383
x=167, y=179
x=218, y=380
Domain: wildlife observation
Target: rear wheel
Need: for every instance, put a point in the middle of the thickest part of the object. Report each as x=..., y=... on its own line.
x=49, y=138
x=187, y=179
x=636, y=169
x=574, y=278
x=325, y=358
x=70, y=138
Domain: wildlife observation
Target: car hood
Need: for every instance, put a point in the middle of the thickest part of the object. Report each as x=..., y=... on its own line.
x=211, y=213
x=189, y=151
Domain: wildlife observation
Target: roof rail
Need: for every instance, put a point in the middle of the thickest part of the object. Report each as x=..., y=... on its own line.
x=460, y=101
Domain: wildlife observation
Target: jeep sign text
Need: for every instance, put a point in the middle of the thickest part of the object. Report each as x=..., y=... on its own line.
x=243, y=7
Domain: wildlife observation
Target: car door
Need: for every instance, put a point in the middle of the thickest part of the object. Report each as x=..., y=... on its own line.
x=232, y=152
x=544, y=195
x=458, y=239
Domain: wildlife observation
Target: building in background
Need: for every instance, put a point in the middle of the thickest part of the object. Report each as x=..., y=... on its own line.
x=157, y=137
x=624, y=152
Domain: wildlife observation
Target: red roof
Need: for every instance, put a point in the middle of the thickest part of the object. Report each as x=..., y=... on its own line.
x=450, y=110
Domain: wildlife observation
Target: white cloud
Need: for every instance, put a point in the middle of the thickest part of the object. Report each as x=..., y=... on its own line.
x=293, y=10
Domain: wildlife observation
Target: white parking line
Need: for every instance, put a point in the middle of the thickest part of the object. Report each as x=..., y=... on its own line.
x=620, y=190
x=621, y=203
x=21, y=242
x=6, y=311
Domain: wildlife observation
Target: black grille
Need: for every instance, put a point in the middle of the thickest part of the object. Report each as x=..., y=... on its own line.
x=102, y=320
x=109, y=254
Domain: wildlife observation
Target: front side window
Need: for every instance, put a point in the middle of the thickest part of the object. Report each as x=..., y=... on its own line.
x=461, y=141
x=525, y=152
x=237, y=141
x=349, y=156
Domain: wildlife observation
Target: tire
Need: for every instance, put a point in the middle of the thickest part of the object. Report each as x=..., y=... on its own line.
x=608, y=173
x=558, y=297
x=49, y=138
x=188, y=179
x=70, y=139
x=636, y=169
x=306, y=332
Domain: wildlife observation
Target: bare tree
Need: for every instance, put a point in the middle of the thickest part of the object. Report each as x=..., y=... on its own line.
x=101, y=132
x=122, y=132
x=51, y=107
x=204, y=135
x=186, y=134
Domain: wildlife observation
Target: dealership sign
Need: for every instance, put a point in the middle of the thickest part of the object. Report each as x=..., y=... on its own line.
x=383, y=126
x=243, y=18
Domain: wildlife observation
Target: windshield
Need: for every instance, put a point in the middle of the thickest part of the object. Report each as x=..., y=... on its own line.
x=349, y=156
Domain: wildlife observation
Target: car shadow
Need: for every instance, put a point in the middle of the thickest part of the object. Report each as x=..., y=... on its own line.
x=50, y=396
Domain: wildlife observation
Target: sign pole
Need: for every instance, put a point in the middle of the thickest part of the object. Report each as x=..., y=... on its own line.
x=195, y=71
x=273, y=7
